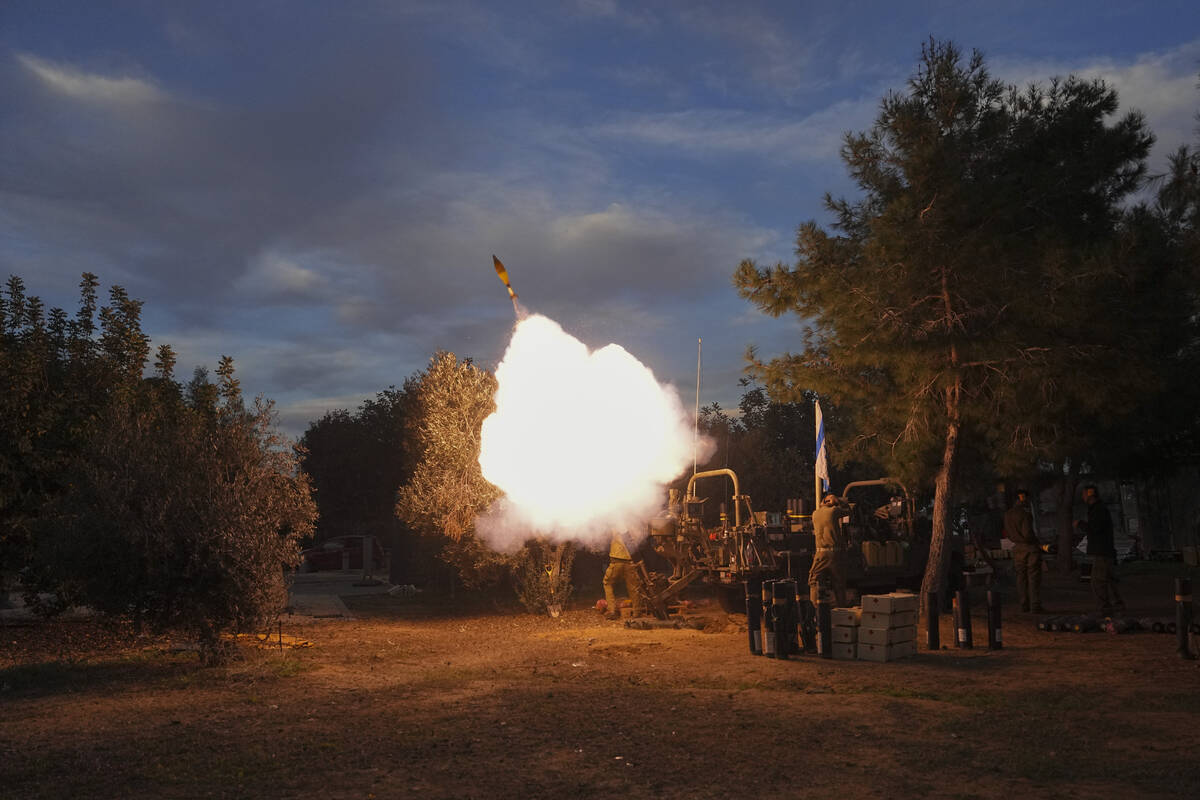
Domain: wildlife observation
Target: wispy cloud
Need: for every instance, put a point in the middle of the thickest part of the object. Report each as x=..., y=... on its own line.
x=79, y=85
x=1162, y=85
x=704, y=133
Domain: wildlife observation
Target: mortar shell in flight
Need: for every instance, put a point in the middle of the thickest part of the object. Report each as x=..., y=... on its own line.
x=503, y=273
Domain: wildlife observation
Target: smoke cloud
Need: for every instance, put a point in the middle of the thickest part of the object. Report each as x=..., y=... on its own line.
x=581, y=442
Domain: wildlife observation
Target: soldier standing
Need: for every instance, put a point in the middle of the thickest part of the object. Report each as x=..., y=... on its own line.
x=1027, y=553
x=831, y=550
x=1102, y=551
x=621, y=568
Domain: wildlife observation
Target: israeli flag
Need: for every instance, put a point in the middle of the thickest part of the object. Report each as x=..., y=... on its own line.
x=822, y=462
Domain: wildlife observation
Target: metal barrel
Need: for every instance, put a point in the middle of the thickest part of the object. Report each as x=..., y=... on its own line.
x=824, y=630
x=933, y=633
x=995, y=640
x=754, y=615
x=768, y=619
x=962, y=620
x=1183, y=615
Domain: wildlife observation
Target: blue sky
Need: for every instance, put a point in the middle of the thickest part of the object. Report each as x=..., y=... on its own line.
x=317, y=188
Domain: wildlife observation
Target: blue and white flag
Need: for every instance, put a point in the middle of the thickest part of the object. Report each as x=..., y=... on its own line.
x=822, y=463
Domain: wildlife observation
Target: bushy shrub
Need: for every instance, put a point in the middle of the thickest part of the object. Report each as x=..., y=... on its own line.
x=543, y=576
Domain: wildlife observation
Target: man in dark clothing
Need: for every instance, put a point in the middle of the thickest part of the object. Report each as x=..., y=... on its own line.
x=1027, y=553
x=1102, y=551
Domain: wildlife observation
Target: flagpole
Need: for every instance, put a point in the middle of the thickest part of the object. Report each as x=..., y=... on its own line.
x=817, y=455
x=696, y=424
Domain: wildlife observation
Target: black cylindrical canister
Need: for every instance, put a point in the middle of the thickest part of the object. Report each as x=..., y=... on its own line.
x=933, y=633
x=768, y=619
x=754, y=615
x=781, y=591
x=995, y=639
x=1183, y=615
x=962, y=620
x=825, y=630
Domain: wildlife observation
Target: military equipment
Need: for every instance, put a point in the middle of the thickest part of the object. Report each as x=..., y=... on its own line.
x=728, y=546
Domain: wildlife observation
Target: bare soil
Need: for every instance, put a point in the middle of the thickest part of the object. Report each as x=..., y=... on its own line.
x=415, y=700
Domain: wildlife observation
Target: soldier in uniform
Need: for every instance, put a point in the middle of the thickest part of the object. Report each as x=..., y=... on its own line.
x=831, y=551
x=1102, y=551
x=621, y=568
x=1027, y=553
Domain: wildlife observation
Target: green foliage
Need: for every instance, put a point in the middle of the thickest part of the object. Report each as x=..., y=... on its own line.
x=543, y=576
x=128, y=494
x=179, y=518
x=978, y=299
x=357, y=461
x=447, y=490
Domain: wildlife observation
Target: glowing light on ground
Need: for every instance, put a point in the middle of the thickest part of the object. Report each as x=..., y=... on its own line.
x=580, y=441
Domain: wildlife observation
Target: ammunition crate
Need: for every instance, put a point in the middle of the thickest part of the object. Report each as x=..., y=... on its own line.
x=897, y=619
x=887, y=635
x=844, y=651
x=845, y=616
x=889, y=603
x=886, y=652
x=845, y=633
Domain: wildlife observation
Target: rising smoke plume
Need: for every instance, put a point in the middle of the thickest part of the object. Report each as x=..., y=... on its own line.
x=580, y=442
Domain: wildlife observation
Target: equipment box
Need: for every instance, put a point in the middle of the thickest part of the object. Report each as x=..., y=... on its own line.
x=845, y=616
x=845, y=633
x=887, y=635
x=886, y=652
x=889, y=603
x=897, y=619
x=844, y=651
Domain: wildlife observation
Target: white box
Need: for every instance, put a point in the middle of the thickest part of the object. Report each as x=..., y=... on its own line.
x=887, y=635
x=886, y=652
x=845, y=616
x=896, y=619
x=844, y=651
x=845, y=633
x=889, y=603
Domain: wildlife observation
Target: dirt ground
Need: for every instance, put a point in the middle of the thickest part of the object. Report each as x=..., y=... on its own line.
x=413, y=699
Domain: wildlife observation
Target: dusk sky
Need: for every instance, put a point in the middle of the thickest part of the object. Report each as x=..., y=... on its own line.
x=317, y=188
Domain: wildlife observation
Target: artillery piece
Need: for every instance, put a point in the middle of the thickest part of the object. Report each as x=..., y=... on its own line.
x=884, y=549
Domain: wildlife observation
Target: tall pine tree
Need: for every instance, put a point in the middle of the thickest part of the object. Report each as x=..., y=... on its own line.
x=964, y=306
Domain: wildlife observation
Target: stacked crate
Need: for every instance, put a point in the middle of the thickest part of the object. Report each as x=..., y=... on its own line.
x=887, y=627
x=845, y=633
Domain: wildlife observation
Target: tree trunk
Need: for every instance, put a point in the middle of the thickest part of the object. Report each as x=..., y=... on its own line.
x=1064, y=560
x=935, y=568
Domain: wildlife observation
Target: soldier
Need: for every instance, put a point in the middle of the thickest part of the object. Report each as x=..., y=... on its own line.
x=1102, y=551
x=622, y=568
x=1027, y=553
x=831, y=551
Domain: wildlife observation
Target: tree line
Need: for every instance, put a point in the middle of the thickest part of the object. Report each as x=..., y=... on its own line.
x=1010, y=295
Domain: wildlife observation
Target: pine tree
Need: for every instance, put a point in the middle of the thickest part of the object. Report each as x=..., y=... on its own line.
x=965, y=305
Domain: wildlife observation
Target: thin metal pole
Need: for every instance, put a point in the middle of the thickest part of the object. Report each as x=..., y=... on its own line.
x=696, y=426
x=816, y=451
